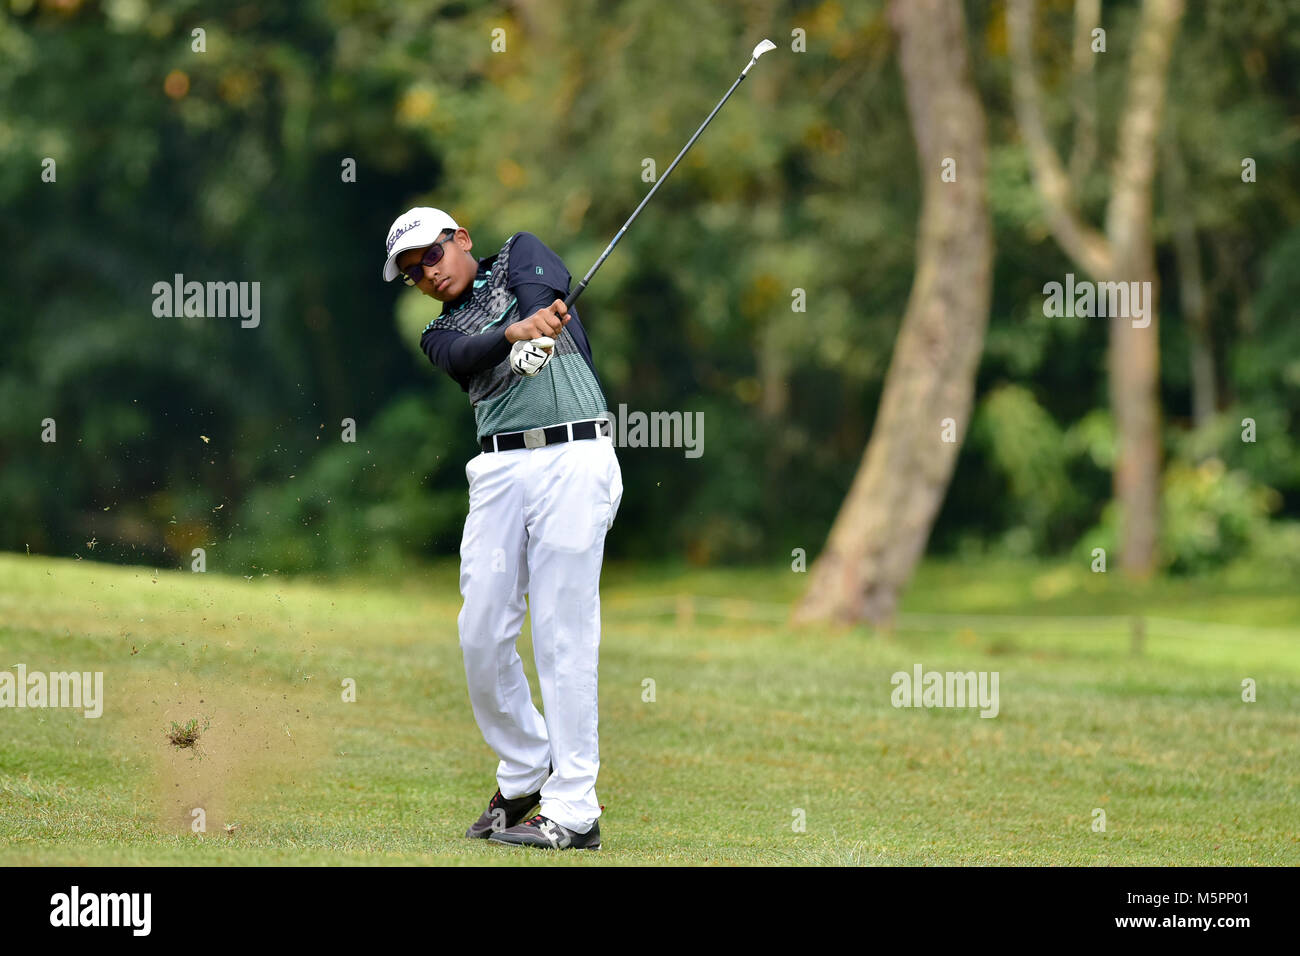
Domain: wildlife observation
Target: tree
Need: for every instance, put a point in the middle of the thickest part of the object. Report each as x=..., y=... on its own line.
x=1124, y=252
x=883, y=525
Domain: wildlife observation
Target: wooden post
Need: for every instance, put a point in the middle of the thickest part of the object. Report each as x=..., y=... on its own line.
x=1138, y=637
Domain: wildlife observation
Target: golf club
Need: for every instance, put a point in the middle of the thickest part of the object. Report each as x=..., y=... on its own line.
x=577, y=291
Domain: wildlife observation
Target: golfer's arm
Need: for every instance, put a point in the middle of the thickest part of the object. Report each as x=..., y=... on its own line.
x=461, y=355
x=533, y=297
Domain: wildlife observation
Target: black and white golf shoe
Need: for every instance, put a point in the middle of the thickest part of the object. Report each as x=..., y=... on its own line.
x=543, y=832
x=502, y=814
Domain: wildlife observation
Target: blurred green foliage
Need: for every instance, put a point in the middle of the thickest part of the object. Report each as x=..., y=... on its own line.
x=1211, y=516
x=226, y=165
x=359, y=503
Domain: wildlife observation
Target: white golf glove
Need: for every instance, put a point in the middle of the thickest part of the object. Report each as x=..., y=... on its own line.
x=529, y=358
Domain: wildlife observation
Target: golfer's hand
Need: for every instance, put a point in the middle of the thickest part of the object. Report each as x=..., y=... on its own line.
x=545, y=322
x=530, y=356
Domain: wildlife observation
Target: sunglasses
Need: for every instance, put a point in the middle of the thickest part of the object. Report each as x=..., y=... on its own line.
x=414, y=273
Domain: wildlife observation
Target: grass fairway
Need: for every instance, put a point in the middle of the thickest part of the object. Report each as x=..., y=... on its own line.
x=752, y=726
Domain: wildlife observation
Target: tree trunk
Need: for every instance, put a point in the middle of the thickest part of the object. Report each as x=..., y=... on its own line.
x=881, y=530
x=1135, y=352
x=1193, y=297
x=1124, y=253
x=773, y=362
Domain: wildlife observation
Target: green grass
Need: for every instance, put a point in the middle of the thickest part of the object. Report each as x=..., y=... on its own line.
x=752, y=722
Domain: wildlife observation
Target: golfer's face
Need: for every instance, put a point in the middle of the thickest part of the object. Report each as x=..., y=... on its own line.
x=451, y=275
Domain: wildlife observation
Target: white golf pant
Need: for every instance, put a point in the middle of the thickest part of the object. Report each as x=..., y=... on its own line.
x=536, y=525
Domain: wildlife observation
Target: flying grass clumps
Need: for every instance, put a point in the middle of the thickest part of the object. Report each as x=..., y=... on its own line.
x=186, y=736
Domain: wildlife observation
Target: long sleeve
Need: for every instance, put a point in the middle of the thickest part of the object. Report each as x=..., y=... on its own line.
x=461, y=355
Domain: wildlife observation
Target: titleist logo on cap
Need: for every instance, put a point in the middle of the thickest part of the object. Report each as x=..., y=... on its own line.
x=397, y=234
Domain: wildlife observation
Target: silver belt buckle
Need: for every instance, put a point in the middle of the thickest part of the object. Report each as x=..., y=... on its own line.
x=535, y=438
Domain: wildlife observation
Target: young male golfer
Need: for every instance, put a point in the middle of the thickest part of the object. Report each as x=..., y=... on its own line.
x=543, y=492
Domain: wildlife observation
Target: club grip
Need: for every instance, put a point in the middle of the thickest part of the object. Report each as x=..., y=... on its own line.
x=573, y=296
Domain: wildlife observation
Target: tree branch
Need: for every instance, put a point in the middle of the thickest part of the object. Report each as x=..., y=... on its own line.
x=1081, y=242
x=1083, y=145
x=1128, y=217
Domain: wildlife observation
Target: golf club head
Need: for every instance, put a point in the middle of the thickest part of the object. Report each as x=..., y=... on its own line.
x=759, y=50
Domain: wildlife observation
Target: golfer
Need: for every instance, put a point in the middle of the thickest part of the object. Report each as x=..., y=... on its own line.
x=543, y=492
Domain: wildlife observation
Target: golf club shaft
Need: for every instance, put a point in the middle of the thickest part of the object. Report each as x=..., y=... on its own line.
x=577, y=291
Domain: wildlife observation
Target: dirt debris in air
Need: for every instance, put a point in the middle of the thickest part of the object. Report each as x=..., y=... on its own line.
x=225, y=749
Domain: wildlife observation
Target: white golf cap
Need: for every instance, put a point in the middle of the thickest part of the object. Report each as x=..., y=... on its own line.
x=414, y=229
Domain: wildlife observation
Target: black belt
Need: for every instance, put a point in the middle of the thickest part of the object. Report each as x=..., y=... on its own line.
x=551, y=435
